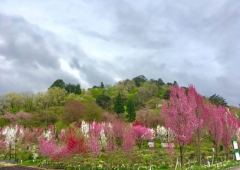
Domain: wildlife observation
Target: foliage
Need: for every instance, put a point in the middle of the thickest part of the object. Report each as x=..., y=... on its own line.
x=72, y=112
x=72, y=88
x=119, y=105
x=92, y=112
x=104, y=101
x=217, y=100
x=58, y=83
x=139, y=80
x=131, y=114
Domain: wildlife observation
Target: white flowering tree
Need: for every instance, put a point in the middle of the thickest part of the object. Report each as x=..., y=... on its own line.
x=12, y=138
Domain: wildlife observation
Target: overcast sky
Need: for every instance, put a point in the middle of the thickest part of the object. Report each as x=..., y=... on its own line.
x=93, y=41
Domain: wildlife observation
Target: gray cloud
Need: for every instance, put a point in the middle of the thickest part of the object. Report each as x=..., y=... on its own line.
x=190, y=42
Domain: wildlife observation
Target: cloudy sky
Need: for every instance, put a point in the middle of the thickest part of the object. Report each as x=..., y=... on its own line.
x=93, y=41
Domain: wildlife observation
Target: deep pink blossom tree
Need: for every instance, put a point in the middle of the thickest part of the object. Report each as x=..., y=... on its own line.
x=180, y=117
x=47, y=147
x=199, y=111
x=230, y=128
x=214, y=123
x=142, y=133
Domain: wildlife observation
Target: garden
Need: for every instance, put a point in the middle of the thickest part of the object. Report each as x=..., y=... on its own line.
x=195, y=134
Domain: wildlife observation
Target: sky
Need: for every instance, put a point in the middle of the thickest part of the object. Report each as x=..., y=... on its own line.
x=94, y=41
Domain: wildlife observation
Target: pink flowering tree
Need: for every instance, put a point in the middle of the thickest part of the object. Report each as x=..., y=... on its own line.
x=214, y=116
x=128, y=140
x=118, y=128
x=180, y=117
x=141, y=134
x=230, y=128
x=199, y=111
x=111, y=145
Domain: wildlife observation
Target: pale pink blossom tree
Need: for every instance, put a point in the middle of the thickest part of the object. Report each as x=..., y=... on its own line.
x=128, y=140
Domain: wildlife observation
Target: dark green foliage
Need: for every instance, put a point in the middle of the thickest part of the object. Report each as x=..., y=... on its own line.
x=139, y=80
x=102, y=85
x=78, y=89
x=103, y=101
x=58, y=83
x=166, y=95
x=72, y=88
x=119, y=105
x=158, y=82
x=131, y=114
x=217, y=100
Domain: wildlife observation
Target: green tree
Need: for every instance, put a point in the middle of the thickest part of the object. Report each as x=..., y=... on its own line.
x=56, y=96
x=217, y=100
x=131, y=114
x=147, y=91
x=102, y=85
x=58, y=83
x=166, y=95
x=72, y=88
x=139, y=80
x=78, y=89
x=119, y=105
x=72, y=112
x=13, y=102
x=92, y=112
x=104, y=101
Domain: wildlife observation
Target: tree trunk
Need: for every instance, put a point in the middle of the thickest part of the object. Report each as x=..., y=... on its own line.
x=181, y=156
x=198, y=147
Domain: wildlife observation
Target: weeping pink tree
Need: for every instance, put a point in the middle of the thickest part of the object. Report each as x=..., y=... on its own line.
x=180, y=117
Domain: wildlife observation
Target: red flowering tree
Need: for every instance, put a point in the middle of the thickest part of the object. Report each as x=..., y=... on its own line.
x=75, y=142
x=180, y=117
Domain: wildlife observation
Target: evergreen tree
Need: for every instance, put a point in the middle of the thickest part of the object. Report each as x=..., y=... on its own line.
x=102, y=85
x=78, y=89
x=131, y=116
x=118, y=105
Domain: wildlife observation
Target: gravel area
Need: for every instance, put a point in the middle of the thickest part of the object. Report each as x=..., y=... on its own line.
x=18, y=168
